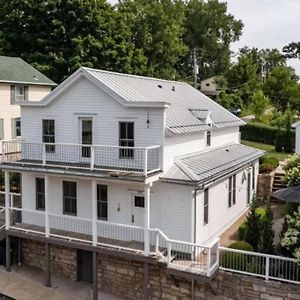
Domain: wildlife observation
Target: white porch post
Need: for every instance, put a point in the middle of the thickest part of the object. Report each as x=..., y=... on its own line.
x=7, y=199
x=94, y=212
x=147, y=218
x=47, y=223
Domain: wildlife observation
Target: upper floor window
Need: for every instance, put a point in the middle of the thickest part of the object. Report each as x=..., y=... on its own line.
x=102, y=202
x=231, y=190
x=40, y=193
x=126, y=139
x=15, y=128
x=208, y=138
x=69, y=197
x=19, y=92
x=49, y=134
x=1, y=129
x=205, y=205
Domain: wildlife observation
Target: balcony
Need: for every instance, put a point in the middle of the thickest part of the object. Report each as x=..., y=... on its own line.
x=181, y=256
x=138, y=160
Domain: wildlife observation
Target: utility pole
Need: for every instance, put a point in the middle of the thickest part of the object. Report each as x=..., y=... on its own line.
x=195, y=68
x=263, y=69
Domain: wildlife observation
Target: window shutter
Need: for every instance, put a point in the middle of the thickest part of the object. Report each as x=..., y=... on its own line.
x=13, y=93
x=25, y=92
x=1, y=129
x=13, y=129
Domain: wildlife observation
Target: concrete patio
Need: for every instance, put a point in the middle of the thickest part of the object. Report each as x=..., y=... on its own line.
x=27, y=283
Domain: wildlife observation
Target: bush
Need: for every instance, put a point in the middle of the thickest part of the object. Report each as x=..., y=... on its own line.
x=242, y=230
x=261, y=133
x=241, y=245
x=280, y=141
x=268, y=163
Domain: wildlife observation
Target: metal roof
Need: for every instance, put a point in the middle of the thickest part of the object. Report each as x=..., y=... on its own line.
x=202, y=166
x=181, y=97
x=16, y=70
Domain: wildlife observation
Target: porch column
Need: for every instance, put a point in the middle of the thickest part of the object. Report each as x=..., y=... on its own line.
x=47, y=223
x=147, y=218
x=7, y=200
x=48, y=264
x=94, y=212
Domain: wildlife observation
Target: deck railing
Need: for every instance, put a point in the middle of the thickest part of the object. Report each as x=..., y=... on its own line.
x=143, y=160
x=261, y=265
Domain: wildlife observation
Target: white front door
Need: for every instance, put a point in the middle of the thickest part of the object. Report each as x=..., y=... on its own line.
x=86, y=137
x=138, y=209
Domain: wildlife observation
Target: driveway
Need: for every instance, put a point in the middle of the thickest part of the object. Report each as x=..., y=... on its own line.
x=27, y=283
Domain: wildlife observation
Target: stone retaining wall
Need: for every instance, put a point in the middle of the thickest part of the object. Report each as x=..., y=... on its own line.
x=264, y=185
x=125, y=278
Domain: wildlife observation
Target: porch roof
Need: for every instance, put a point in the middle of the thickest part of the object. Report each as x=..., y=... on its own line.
x=203, y=166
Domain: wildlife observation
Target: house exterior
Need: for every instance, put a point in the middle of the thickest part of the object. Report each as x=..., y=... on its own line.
x=209, y=87
x=296, y=126
x=130, y=162
x=19, y=82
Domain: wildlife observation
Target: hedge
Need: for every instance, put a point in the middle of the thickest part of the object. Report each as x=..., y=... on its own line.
x=261, y=133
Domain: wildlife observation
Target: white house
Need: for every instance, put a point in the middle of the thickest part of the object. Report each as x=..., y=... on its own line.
x=19, y=82
x=209, y=86
x=111, y=156
x=297, y=138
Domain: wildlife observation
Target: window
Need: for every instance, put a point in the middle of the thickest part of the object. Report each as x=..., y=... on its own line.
x=139, y=201
x=253, y=177
x=40, y=193
x=86, y=136
x=126, y=139
x=208, y=138
x=102, y=202
x=1, y=129
x=15, y=128
x=206, y=192
x=19, y=92
x=207, y=84
x=231, y=190
x=49, y=134
x=69, y=198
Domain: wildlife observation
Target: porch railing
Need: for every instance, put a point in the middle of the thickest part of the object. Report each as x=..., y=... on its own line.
x=143, y=160
x=260, y=265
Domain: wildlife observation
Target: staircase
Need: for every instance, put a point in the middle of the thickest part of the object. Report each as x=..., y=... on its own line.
x=278, y=182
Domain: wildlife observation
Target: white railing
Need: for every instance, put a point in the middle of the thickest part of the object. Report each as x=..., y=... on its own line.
x=143, y=160
x=2, y=217
x=14, y=199
x=260, y=265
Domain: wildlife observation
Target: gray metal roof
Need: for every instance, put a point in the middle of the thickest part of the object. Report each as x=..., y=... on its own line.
x=16, y=70
x=202, y=166
x=180, y=96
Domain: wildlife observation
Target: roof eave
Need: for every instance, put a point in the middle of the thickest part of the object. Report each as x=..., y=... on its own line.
x=29, y=82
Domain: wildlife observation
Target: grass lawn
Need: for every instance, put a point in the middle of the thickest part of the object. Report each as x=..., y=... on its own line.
x=270, y=149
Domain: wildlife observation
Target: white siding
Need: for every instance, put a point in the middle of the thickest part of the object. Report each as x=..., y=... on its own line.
x=189, y=143
x=84, y=99
x=297, y=142
x=170, y=204
x=220, y=215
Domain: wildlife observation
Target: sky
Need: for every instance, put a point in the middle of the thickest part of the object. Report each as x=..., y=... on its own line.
x=267, y=23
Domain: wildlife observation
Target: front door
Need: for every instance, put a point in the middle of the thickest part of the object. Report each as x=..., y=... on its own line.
x=86, y=137
x=84, y=266
x=138, y=210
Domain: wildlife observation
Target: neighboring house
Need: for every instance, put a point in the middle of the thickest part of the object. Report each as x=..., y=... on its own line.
x=107, y=151
x=19, y=82
x=209, y=87
x=297, y=136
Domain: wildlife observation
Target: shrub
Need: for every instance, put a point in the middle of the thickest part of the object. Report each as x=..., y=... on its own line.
x=280, y=141
x=261, y=133
x=241, y=245
x=242, y=230
x=268, y=163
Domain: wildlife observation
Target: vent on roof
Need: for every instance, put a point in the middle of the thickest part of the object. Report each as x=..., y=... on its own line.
x=159, y=86
x=173, y=88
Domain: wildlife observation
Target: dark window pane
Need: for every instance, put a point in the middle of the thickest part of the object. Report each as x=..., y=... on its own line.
x=69, y=197
x=40, y=193
x=139, y=201
x=102, y=202
x=206, y=206
x=49, y=134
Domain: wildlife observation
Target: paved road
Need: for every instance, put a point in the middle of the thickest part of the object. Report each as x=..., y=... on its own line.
x=26, y=283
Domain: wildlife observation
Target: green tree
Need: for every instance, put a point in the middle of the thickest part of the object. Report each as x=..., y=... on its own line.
x=252, y=234
x=259, y=104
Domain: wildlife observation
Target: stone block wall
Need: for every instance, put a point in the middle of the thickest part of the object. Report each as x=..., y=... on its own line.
x=264, y=185
x=125, y=278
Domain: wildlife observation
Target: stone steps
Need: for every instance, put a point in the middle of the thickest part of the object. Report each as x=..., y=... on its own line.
x=278, y=182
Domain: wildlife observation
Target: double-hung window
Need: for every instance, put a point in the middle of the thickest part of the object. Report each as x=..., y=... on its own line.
x=208, y=139
x=102, y=202
x=69, y=198
x=15, y=128
x=49, y=135
x=205, y=205
x=231, y=190
x=18, y=93
x=126, y=139
x=40, y=193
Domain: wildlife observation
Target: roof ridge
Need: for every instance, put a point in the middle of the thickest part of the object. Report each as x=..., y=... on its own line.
x=134, y=76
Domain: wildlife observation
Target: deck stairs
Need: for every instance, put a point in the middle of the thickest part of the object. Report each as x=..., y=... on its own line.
x=278, y=182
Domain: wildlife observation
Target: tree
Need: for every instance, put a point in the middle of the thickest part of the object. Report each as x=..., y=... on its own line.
x=292, y=170
x=252, y=234
x=259, y=104
x=291, y=238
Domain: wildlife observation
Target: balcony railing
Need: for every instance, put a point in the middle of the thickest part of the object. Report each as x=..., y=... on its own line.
x=176, y=254
x=144, y=160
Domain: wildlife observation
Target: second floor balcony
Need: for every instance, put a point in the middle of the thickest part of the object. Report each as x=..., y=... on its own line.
x=139, y=160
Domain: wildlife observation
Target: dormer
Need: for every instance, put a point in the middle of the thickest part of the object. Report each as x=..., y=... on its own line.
x=204, y=115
